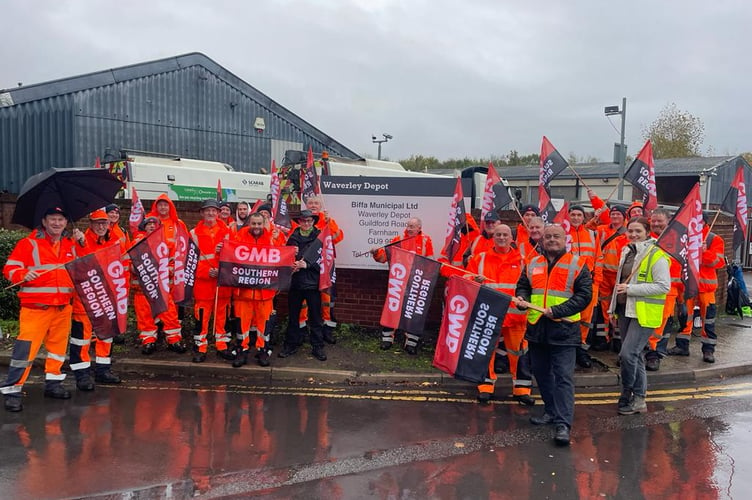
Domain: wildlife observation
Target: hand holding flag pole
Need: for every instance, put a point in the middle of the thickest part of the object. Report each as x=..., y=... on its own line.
x=527, y=305
x=385, y=246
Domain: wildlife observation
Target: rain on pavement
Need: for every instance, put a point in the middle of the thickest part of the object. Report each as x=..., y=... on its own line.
x=166, y=439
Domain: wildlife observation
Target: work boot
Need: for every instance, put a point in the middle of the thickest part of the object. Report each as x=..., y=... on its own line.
x=637, y=405
x=199, y=357
x=287, y=351
x=600, y=345
x=149, y=348
x=583, y=358
x=118, y=339
x=412, y=350
x=524, y=399
x=329, y=337
x=484, y=398
x=13, y=403
x=653, y=364
x=544, y=419
x=226, y=354
x=318, y=353
x=708, y=357
x=678, y=351
x=106, y=377
x=240, y=359
x=385, y=345
x=57, y=391
x=263, y=357
x=83, y=380
x=177, y=347
x=561, y=435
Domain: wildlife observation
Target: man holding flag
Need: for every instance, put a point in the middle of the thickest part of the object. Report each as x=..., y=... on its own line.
x=413, y=240
x=97, y=237
x=553, y=335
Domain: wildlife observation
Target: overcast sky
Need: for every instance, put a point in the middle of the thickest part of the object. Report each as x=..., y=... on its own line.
x=445, y=78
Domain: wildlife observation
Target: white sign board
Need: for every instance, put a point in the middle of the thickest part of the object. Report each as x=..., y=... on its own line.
x=373, y=210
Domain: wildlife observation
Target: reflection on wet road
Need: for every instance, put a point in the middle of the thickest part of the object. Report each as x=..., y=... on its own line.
x=167, y=439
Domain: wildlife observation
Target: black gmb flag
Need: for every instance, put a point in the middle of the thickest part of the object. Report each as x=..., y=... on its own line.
x=470, y=329
x=150, y=262
x=243, y=265
x=412, y=279
x=102, y=286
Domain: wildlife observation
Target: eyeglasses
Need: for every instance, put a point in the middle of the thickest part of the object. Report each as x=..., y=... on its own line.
x=307, y=221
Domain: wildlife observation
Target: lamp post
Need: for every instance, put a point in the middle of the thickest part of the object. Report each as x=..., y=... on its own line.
x=614, y=110
x=380, y=141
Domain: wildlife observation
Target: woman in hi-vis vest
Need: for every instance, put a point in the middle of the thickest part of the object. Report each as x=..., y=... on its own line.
x=642, y=282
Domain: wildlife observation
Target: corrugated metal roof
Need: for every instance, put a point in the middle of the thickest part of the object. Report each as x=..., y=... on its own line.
x=186, y=105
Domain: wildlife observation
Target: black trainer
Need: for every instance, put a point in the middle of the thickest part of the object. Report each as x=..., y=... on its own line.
x=544, y=419
x=561, y=435
x=524, y=399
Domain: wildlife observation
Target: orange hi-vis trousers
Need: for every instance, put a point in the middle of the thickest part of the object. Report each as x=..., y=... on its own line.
x=327, y=304
x=202, y=311
x=515, y=347
x=660, y=333
x=254, y=315
x=49, y=326
x=708, y=310
x=80, y=343
x=145, y=321
x=586, y=318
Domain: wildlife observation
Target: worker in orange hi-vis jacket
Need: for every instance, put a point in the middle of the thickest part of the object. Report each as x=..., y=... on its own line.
x=484, y=241
x=209, y=234
x=313, y=204
x=414, y=240
x=45, y=293
x=254, y=306
x=711, y=259
x=612, y=238
x=500, y=268
x=586, y=246
x=527, y=212
x=97, y=236
x=162, y=218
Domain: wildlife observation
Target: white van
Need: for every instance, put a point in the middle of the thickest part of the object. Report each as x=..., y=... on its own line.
x=184, y=179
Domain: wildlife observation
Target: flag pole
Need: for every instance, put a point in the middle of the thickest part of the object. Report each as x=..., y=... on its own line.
x=578, y=177
x=387, y=245
x=717, y=213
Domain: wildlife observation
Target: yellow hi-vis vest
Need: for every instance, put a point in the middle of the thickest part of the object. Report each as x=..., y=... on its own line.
x=649, y=308
x=554, y=288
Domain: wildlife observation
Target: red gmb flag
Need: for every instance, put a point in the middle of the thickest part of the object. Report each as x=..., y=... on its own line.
x=454, y=223
x=641, y=174
x=470, y=329
x=682, y=239
x=244, y=265
x=735, y=203
x=137, y=212
x=150, y=262
x=551, y=163
x=185, y=263
x=495, y=193
x=102, y=285
x=328, y=275
x=281, y=216
x=412, y=279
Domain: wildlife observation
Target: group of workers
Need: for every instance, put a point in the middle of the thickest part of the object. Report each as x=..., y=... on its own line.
x=53, y=315
x=573, y=289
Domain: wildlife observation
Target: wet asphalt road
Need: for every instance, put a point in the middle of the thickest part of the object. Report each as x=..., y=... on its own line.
x=168, y=439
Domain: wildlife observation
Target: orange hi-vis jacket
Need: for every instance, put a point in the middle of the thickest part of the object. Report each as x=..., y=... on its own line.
x=502, y=271
x=92, y=244
x=611, y=246
x=36, y=252
x=116, y=232
x=528, y=249
x=586, y=246
x=169, y=224
x=420, y=244
x=337, y=234
x=710, y=260
x=207, y=238
x=522, y=235
x=479, y=244
x=245, y=236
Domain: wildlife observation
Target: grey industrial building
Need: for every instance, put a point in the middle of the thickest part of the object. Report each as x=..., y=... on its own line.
x=187, y=106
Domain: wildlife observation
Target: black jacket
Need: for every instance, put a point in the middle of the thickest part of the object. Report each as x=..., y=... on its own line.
x=308, y=278
x=547, y=331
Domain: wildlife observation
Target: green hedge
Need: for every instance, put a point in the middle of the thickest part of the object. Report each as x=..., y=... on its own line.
x=9, y=305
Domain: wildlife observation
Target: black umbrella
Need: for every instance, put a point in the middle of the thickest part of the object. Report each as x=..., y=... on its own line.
x=78, y=191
